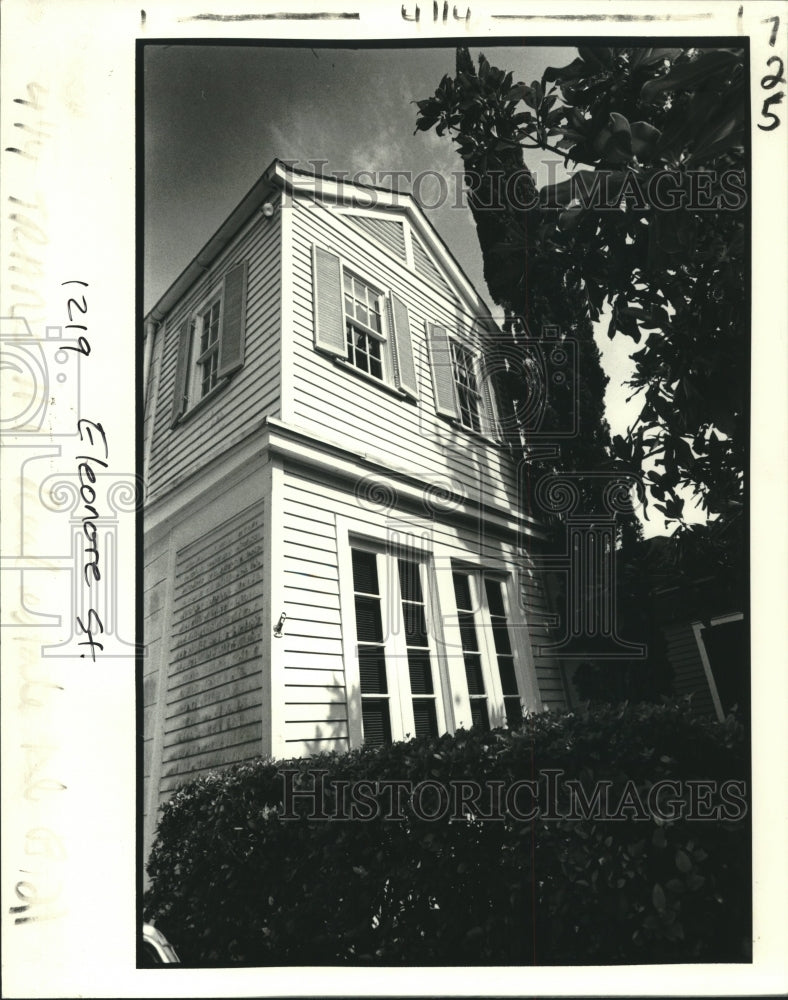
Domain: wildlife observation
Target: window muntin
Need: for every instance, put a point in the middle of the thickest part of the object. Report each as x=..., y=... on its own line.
x=469, y=394
x=364, y=326
x=420, y=665
x=471, y=651
x=208, y=325
x=398, y=680
x=371, y=649
x=481, y=605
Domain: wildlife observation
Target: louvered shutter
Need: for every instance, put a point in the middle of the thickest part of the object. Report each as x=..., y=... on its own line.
x=232, y=337
x=403, y=348
x=490, y=417
x=182, y=371
x=442, y=366
x=329, y=315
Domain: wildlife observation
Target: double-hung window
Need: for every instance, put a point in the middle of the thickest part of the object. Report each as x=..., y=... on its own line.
x=362, y=325
x=462, y=392
x=487, y=649
x=206, y=371
x=364, y=330
x=211, y=341
x=395, y=651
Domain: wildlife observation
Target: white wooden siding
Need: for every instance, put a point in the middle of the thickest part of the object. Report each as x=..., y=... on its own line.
x=424, y=265
x=252, y=392
x=334, y=401
x=388, y=232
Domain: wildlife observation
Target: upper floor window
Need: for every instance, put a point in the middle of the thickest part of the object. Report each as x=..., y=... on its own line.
x=469, y=396
x=207, y=367
x=361, y=325
x=211, y=342
x=366, y=339
x=461, y=392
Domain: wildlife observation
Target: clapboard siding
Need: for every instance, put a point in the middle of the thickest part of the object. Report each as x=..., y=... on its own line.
x=388, y=232
x=424, y=265
x=332, y=400
x=253, y=392
x=689, y=677
x=214, y=678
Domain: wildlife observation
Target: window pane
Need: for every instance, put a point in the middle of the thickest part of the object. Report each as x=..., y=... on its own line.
x=369, y=627
x=462, y=591
x=420, y=672
x=365, y=572
x=424, y=720
x=372, y=670
x=501, y=636
x=468, y=632
x=409, y=581
x=479, y=715
x=415, y=624
x=494, y=597
x=376, y=722
x=473, y=672
x=514, y=712
x=508, y=679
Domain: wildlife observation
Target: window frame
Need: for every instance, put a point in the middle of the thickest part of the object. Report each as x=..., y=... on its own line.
x=363, y=537
x=383, y=337
x=229, y=287
x=399, y=375
x=495, y=696
x=443, y=343
x=195, y=393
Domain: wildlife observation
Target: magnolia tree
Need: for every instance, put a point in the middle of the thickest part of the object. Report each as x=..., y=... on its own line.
x=651, y=226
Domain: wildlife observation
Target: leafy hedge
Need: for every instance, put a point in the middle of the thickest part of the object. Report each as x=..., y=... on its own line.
x=232, y=881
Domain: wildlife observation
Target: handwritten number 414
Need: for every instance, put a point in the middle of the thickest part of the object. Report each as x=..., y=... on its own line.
x=771, y=80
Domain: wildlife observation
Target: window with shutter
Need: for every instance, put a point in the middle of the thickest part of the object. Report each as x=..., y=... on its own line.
x=461, y=393
x=362, y=325
x=211, y=342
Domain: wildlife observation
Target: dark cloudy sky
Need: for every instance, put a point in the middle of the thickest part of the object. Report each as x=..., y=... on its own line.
x=216, y=116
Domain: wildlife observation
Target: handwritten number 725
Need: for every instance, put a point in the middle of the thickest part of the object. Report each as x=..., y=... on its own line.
x=771, y=80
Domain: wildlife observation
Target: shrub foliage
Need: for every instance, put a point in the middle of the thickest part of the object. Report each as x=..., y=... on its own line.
x=233, y=881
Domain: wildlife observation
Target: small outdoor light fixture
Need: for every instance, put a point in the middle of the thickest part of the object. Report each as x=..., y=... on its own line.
x=279, y=626
x=267, y=210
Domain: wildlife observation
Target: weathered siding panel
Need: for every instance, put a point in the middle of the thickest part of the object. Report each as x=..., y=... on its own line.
x=388, y=232
x=424, y=265
x=214, y=679
x=333, y=401
x=253, y=392
x=689, y=677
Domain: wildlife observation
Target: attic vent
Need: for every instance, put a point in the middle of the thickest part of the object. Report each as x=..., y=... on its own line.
x=424, y=265
x=389, y=232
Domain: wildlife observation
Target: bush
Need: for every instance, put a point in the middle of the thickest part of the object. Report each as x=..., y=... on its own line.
x=233, y=880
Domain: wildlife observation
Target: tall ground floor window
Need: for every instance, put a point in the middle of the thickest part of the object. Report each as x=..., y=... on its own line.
x=487, y=649
x=398, y=672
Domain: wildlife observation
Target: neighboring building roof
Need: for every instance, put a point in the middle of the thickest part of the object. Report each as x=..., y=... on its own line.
x=279, y=176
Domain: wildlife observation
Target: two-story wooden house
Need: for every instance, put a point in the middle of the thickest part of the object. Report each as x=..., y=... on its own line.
x=335, y=549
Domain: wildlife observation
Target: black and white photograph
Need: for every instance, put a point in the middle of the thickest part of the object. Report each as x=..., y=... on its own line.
x=424, y=550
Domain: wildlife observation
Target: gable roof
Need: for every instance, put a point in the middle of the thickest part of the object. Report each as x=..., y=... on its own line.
x=283, y=176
